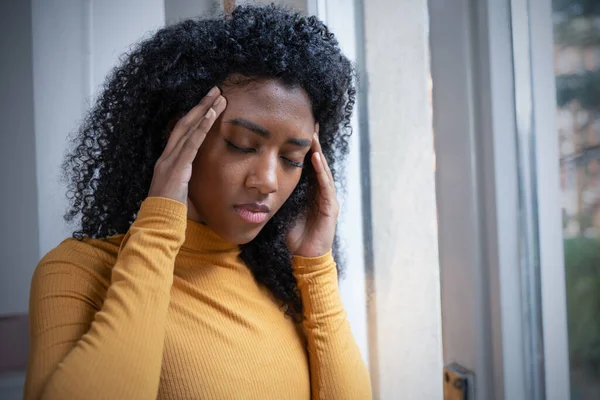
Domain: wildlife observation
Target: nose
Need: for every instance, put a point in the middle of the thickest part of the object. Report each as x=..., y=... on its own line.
x=263, y=175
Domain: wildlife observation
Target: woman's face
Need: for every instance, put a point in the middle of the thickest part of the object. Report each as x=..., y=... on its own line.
x=252, y=158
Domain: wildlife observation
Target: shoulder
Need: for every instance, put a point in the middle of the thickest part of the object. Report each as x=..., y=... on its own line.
x=85, y=262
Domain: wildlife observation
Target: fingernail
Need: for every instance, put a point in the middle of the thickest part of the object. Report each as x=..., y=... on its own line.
x=210, y=113
x=219, y=99
x=213, y=91
x=318, y=157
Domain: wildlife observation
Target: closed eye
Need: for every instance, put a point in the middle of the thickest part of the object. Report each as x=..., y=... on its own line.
x=240, y=149
x=250, y=150
x=293, y=163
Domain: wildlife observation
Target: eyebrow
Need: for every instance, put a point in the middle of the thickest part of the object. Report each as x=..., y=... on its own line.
x=251, y=126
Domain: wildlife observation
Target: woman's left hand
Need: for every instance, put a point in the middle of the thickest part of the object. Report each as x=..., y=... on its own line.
x=313, y=234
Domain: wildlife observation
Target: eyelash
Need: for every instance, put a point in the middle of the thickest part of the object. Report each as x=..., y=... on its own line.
x=240, y=149
x=293, y=163
x=246, y=151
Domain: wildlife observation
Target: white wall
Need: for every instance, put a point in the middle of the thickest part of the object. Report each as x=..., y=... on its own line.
x=18, y=204
x=176, y=10
x=11, y=385
x=75, y=45
x=116, y=25
x=55, y=54
x=298, y=5
x=405, y=324
x=61, y=82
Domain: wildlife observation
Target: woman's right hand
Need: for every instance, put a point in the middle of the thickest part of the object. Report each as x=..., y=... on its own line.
x=173, y=170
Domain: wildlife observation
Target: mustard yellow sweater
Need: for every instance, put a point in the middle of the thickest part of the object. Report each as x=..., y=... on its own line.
x=169, y=311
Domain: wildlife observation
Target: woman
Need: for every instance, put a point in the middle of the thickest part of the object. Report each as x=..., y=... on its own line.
x=202, y=268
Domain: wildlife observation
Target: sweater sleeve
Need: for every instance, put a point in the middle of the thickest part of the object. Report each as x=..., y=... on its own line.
x=87, y=346
x=337, y=368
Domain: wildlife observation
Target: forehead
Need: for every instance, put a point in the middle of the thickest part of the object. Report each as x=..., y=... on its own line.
x=269, y=102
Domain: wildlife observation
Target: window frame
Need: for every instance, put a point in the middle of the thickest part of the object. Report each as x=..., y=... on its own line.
x=478, y=107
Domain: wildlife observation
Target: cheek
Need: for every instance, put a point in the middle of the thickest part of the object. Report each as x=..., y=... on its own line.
x=219, y=175
x=288, y=182
x=213, y=171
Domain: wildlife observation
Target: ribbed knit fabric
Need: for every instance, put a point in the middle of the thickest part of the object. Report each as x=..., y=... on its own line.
x=169, y=311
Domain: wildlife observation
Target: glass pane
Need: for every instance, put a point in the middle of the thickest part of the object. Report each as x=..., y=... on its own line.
x=577, y=69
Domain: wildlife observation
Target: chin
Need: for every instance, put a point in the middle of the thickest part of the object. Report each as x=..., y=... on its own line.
x=240, y=238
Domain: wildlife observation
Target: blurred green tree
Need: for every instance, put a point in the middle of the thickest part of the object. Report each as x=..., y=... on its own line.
x=582, y=266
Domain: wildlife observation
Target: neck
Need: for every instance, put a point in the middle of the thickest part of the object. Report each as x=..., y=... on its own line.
x=199, y=237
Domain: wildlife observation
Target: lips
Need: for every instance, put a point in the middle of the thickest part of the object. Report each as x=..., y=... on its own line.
x=254, y=213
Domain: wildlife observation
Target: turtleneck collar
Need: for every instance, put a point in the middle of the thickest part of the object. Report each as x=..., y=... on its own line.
x=200, y=238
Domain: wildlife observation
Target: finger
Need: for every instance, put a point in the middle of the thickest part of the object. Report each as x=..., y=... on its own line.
x=325, y=182
x=191, y=119
x=199, y=132
x=328, y=200
x=317, y=148
x=191, y=142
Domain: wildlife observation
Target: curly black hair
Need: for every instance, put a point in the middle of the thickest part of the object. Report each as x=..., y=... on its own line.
x=163, y=77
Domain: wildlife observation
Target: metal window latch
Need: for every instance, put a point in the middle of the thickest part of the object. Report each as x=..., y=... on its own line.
x=458, y=383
